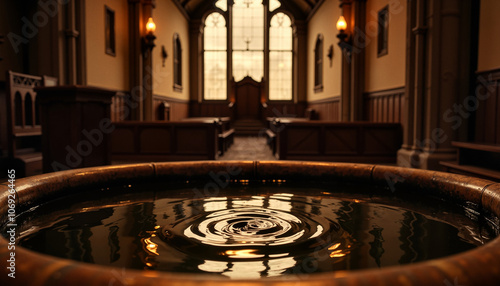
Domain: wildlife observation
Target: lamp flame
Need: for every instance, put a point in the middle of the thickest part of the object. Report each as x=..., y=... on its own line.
x=150, y=26
x=341, y=24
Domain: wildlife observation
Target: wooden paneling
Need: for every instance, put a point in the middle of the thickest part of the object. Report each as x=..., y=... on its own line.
x=339, y=141
x=384, y=106
x=210, y=109
x=327, y=109
x=133, y=141
x=284, y=109
x=119, y=109
x=177, y=109
x=76, y=126
x=487, y=116
x=165, y=108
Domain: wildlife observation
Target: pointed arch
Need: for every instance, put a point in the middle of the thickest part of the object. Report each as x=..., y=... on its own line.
x=215, y=57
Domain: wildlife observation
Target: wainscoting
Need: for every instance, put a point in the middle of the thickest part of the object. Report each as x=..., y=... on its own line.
x=384, y=106
x=327, y=109
x=488, y=113
x=119, y=111
x=210, y=109
x=165, y=108
x=170, y=109
x=284, y=109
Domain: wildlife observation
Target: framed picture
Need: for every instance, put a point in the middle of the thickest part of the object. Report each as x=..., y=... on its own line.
x=383, y=32
x=110, y=31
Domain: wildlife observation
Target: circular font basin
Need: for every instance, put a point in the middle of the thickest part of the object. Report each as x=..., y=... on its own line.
x=229, y=217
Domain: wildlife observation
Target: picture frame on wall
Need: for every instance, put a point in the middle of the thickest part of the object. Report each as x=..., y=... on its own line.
x=110, y=34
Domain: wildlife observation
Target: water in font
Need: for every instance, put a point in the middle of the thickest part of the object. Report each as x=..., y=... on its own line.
x=248, y=230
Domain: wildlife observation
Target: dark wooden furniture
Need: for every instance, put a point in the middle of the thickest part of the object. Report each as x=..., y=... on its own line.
x=478, y=160
x=248, y=93
x=273, y=125
x=133, y=141
x=23, y=124
x=338, y=141
x=225, y=133
x=76, y=126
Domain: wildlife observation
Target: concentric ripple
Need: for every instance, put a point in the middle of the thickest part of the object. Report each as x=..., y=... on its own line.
x=245, y=232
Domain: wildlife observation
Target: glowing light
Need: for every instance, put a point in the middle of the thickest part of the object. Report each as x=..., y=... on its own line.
x=335, y=246
x=243, y=253
x=150, y=246
x=341, y=24
x=150, y=26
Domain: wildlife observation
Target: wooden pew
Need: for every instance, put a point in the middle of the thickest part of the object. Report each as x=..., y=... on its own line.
x=224, y=131
x=362, y=142
x=23, y=124
x=273, y=128
x=163, y=141
x=476, y=159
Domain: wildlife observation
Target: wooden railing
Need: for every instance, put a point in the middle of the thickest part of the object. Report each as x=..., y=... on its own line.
x=338, y=141
x=164, y=141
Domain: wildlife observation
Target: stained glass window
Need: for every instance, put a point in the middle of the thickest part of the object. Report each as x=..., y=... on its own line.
x=215, y=57
x=248, y=39
x=280, y=58
x=273, y=5
x=221, y=4
x=248, y=45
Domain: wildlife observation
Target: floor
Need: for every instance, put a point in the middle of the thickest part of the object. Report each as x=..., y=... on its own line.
x=248, y=148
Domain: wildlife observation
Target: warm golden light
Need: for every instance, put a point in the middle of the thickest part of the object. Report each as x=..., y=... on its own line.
x=243, y=253
x=341, y=24
x=150, y=26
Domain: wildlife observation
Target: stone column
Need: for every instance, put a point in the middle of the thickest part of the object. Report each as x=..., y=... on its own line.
x=195, y=60
x=135, y=61
x=435, y=75
x=345, y=91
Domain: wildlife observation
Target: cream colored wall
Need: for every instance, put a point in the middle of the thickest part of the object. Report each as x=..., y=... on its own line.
x=104, y=70
x=169, y=21
x=489, y=42
x=323, y=22
x=387, y=71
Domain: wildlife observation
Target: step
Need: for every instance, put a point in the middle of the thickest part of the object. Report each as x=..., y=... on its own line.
x=473, y=170
x=475, y=146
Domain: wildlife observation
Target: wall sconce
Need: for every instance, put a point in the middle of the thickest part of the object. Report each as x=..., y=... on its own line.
x=344, y=42
x=330, y=54
x=164, y=55
x=149, y=39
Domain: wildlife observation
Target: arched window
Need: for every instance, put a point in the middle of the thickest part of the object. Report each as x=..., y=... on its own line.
x=248, y=39
x=273, y=5
x=177, y=63
x=318, y=64
x=247, y=47
x=215, y=57
x=280, y=58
